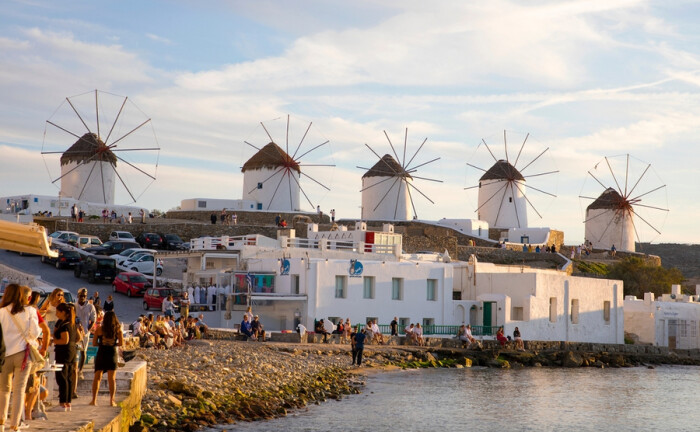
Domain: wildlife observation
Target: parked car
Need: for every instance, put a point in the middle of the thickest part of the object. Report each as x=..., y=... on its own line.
x=131, y=284
x=43, y=295
x=62, y=236
x=149, y=240
x=97, y=268
x=112, y=247
x=154, y=298
x=85, y=241
x=126, y=254
x=66, y=258
x=171, y=241
x=143, y=263
x=121, y=235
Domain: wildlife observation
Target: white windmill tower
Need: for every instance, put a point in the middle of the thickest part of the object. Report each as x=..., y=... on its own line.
x=386, y=186
x=502, y=201
x=94, y=165
x=610, y=218
x=272, y=177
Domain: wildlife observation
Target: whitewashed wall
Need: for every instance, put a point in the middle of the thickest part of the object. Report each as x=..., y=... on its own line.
x=605, y=229
x=498, y=211
x=285, y=198
x=395, y=199
x=89, y=180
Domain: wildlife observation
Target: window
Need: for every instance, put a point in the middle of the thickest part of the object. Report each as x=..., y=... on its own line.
x=397, y=288
x=295, y=284
x=340, y=286
x=683, y=328
x=693, y=329
x=517, y=314
x=606, y=311
x=368, y=283
x=456, y=295
x=201, y=204
x=574, y=311
x=260, y=185
x=403, y=322
x=552, y=309
x=432, y=291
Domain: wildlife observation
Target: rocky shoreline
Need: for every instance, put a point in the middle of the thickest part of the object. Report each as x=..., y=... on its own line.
x=220, y=382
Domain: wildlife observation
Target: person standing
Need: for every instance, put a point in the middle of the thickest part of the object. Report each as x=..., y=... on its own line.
x=212, y=218
x=394, y=324
x=143, y=216
x=19, y=326
x=66, y=337
x=332, y=215
x=131, y=218
x=107, y=338
x=223, y=216
x=109, y=304
x=87, y=315
x=359, y=346
x=74, y=213
x=234, y=219
x=96, y=301
x=105, y=215
x=185, y=305
x=168, y=306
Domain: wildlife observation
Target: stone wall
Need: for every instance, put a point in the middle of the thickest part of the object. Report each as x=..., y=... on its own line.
x=244, y=217
x=511, y=257
x=16, y=276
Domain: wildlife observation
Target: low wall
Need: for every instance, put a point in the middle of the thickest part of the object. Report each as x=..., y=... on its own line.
x=16, y=276
x=508, y=256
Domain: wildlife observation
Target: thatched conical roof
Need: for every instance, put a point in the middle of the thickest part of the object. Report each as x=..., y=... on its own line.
x=86, y=148
x=610, y=199
x=270, y=157
x=386, y=167
x=502, y=170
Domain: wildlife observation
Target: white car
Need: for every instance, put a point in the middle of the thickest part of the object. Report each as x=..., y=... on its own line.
x=62, y=236
x=143, y=263
x=121, y=235
x=127, y=254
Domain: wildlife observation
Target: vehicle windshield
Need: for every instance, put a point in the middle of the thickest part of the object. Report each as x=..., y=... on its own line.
x=138, y=279
x=173, y=237
x=109, y=263
x=107, y=245
x=71, y=254
x=127, y=252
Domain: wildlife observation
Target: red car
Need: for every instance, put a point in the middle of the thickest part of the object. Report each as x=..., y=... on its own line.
x=153, y=299
x=131, y=284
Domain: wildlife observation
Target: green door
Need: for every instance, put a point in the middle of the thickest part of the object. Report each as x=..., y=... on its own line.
x=487, y=314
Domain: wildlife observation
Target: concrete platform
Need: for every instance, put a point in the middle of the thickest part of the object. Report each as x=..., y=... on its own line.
x=131, y=386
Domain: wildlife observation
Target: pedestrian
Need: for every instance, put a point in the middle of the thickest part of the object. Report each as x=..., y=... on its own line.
x=131, y=218
x=223, y=216
x=74, y=212
x=234, y=219
x=142, y=213
x=65, y=338
x=105, y=215
x=332, y=215
x=185, y=305
x=108, y=337
x=359, y=346
x=109, y=304
x=394, y=327
x=213, y=218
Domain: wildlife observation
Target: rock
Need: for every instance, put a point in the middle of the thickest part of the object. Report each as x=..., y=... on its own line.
x=571, y=360
x=175, y=401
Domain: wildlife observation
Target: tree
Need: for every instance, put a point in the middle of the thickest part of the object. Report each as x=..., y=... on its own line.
x=640, y=277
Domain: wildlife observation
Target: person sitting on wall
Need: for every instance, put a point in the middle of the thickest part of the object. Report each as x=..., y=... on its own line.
x=410, y=337
x=283, y=223
x=257, y=328
x=377, y=336
x=500, y=337
x=321, y=329
x=465, y=335
x=519, y=344
x=246, y=327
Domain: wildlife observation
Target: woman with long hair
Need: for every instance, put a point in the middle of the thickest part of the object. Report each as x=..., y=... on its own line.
x=65, y=339
x=48, y=309
x=32, y=391
x=107, y=338
x=20, y=327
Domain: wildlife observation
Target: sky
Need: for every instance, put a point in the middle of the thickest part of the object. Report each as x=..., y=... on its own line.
x=584, y=79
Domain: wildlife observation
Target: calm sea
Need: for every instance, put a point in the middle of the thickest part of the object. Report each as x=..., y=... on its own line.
x=479, y=399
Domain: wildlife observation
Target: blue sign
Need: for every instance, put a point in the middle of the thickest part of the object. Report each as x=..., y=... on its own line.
x=356, y=268
x=284, y=267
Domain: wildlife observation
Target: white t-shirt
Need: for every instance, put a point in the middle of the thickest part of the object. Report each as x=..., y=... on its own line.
x=301, y=328
x=12, y=335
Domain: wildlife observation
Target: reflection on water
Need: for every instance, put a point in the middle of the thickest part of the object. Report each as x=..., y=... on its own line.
x=631, y=399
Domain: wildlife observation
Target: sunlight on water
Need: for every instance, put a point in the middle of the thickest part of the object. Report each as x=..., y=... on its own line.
x=631, y=399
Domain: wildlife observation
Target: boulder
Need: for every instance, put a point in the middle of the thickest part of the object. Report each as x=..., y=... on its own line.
x=571, y=360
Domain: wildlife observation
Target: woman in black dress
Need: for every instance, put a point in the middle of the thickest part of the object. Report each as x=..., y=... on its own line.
x=66, y=337
x=108, y=337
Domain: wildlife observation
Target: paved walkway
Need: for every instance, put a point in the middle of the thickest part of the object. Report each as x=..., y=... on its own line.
x=79, y=418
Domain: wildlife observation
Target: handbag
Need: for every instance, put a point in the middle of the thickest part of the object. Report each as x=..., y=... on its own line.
x=31, y=353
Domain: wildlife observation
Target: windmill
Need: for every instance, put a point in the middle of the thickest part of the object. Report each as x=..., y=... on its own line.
x=386, y=186
x=272, y=177
x=115, y=144
x=637, y=195
x=502, y=201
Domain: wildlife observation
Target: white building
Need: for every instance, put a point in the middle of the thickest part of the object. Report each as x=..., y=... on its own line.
x=294, y=281
x=32, y=204
x=501, y=201
x=672, y=320
x=192, y=204
x=271, y=179
x=88, y=171
x=385, y=193
x=472, y=227
x=610, y=221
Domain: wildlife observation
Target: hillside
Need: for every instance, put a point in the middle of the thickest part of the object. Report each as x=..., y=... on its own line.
x=685, y=257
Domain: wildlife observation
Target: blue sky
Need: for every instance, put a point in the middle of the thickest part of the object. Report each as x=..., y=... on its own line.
x=586, y=79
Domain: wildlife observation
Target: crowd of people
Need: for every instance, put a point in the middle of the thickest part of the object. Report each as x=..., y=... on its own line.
x=28, y=333
x=165, y=331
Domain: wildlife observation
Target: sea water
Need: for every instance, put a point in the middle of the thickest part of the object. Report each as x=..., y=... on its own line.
x=533, y=399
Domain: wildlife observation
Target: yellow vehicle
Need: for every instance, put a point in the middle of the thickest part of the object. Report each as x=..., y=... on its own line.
x=30, y=238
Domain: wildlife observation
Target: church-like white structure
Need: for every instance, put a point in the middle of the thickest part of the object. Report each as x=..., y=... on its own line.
x=610, y=221
x=271, y=179
x=385, y=194
x=88, y=171
x=502, y=203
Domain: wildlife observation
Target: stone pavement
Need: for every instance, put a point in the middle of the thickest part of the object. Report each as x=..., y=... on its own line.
x=82, y=417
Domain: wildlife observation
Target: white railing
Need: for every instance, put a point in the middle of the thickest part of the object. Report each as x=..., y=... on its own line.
x=223, y=242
